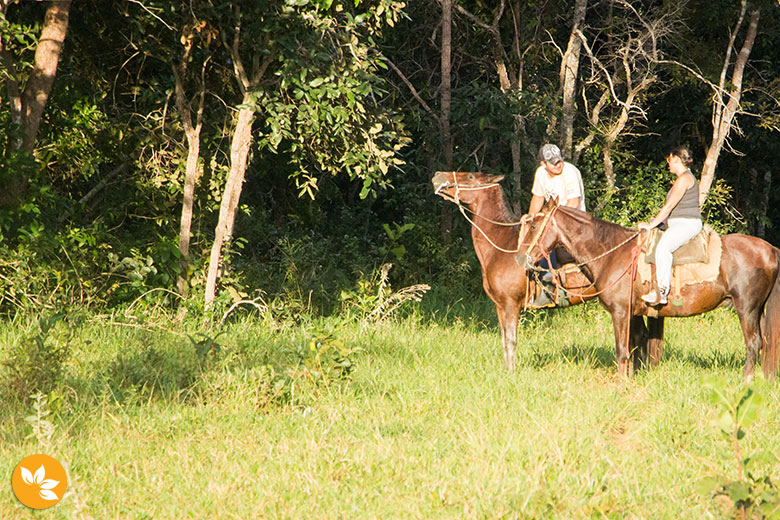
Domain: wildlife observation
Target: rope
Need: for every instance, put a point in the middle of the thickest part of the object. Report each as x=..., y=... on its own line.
x=496, y=246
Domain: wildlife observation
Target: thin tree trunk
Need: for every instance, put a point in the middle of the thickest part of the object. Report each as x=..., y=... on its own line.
x=192, y=172
x=569, y=72
x=765, y=189
x=239, y=153
x=446, y=100
x=724, y=112
x=239, y=156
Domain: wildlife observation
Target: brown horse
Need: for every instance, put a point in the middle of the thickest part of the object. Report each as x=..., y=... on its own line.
x=495, y=231
x=748, y=279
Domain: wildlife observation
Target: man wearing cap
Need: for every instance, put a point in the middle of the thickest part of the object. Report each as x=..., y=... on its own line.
x=554, y=178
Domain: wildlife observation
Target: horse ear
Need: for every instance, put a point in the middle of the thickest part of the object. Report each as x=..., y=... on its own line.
x=498, y=178
x=549, y=204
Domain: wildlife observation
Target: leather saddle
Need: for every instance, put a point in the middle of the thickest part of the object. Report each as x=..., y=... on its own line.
x=696, y=250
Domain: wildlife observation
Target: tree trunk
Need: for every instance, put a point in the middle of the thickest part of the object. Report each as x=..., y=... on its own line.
x=27, y=105
x=724, y=112
x=47, y=56
x=239, y=156
x=192, y=173
x=763, y=205
x=185, y=224
x=569, y=72
x=446, y=100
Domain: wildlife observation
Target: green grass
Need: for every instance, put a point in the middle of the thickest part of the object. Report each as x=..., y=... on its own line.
x=428, y=425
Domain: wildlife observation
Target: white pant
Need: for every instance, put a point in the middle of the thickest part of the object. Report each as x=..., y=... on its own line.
x=680, y=230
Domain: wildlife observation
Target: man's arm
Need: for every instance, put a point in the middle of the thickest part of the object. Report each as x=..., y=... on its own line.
x=536, y=204
x=573, y=203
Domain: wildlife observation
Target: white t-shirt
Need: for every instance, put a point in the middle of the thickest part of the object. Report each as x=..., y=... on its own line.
x=567, y=185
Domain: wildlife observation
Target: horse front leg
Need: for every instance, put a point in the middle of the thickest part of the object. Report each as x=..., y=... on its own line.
x=507, y=319
x=620, y=323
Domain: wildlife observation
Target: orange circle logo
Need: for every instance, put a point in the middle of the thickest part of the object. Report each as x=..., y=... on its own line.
x=39, y=481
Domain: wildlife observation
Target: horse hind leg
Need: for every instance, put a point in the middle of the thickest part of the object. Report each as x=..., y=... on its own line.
x=750, y=331
x=655, y=340
x=638, y=343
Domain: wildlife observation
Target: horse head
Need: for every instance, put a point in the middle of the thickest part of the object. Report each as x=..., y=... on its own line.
x=540, y=235
x=463, y=186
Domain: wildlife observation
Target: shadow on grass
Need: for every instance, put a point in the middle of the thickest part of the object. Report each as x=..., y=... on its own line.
x=589, y=356
x=705, y=360
x=603, y=356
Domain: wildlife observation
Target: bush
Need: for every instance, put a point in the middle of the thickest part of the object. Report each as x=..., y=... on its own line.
x=36, y=364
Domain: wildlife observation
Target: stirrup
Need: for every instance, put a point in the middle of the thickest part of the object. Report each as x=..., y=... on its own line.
x=654, y=298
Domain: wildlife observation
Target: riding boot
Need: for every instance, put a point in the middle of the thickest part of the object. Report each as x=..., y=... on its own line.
x=545, y=297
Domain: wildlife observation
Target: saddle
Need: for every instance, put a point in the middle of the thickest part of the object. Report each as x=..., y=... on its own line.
x=696, y=261
x=695, y=251
x=557, y=293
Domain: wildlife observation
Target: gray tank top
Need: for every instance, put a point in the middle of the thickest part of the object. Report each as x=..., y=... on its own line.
x=688, y=207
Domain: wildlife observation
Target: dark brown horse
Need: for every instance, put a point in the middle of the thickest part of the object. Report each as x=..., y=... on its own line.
x=748, y=279
x=495, y=231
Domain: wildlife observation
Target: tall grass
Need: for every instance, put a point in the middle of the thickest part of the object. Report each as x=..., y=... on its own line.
x=409, y=418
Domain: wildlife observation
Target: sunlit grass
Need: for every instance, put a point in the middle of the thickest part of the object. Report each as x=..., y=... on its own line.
x=429, y=425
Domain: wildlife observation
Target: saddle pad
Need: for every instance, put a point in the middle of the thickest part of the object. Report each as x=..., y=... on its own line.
x=692, y=252
x=690, y=273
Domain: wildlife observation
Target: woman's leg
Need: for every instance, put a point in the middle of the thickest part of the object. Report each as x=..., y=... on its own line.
x=680, y=231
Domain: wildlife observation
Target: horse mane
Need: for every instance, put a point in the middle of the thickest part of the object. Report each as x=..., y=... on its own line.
x=603, y=230
x=506, y=212
x=497, y=200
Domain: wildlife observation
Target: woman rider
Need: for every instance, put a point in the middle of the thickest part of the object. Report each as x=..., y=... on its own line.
x=684, y=221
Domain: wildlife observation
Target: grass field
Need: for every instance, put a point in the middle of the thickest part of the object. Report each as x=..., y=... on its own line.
x=426, y=425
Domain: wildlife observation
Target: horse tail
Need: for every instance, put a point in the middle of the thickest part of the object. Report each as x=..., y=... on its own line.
x=770, y=327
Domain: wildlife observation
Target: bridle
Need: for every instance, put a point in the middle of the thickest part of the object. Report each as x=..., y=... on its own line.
x=463, y=209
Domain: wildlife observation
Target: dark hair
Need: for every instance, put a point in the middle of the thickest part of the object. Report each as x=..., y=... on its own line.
x=684, y=154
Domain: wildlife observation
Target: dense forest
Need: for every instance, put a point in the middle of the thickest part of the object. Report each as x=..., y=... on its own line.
x=279, y=152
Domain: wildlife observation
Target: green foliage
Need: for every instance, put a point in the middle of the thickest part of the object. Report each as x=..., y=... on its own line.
x=325, y=358
x=394, y=246
x=753, y=494
x=639, y=193
x=719, y=211
x=374, y=300
x=325, y=113
x=35, y=365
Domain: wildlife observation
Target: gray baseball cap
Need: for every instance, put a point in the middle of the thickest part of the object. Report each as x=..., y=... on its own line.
x=550, y=153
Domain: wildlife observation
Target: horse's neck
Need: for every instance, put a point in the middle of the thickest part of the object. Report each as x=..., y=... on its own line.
x=490, y=213
x=586, y=237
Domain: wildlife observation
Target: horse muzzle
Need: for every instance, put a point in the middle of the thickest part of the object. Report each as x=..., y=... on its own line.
x=440, y=181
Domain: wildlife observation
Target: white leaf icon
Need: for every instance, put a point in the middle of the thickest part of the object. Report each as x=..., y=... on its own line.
x=49, y=484
x=48, y=495
x=40, y=474
x=27, y=476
